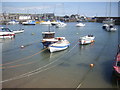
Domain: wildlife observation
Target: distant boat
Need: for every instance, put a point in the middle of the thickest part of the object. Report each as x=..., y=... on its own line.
x=29, y=22
x=80, y=25
x=61, y=24
x=4, y=29
x=86, y=39
x=13, y=22
x=5, y=34
x=62, y=44
x=109, y=21
x=53, y=23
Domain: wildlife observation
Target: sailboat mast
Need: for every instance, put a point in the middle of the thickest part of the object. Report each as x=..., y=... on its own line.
x=110, y=9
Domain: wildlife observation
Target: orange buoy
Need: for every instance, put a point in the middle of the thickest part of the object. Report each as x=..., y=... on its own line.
x=91, y=65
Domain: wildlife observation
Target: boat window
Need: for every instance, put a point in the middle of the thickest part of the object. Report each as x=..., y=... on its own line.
x=48, y=35
x=118, y=63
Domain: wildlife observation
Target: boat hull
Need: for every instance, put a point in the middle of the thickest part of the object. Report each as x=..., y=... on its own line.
x=58, y=48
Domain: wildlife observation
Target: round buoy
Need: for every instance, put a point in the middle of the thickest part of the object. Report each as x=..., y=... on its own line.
x=32, y=33
x=91, y=65
x=22, y=46
x=76, y=33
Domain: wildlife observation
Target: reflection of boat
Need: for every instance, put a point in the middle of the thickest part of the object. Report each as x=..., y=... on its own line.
x=86, y=39
x=29, y=22
x=61, y=24
x=5, y=34
x=117, y=65
x=13, y=22
x=62, y=44
x=4, y=29
x=80, y=25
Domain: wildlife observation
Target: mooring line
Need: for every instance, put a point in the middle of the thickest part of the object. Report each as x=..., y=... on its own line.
x=39, y=69
x=23, y=58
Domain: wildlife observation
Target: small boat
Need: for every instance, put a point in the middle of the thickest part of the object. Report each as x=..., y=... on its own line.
x=116, y=66
x=86, y=39
x=53, y=23
x=13, y=22
x=4, y=29
x=61, y=24
x=80, y=25
x=5, y=34
x=62, y=44
x=18, y=31
x=29, y=22
x=111, y=29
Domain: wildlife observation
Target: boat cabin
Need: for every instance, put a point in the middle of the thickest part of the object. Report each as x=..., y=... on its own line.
x=48, y=35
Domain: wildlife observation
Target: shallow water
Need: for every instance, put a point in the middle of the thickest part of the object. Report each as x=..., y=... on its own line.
x=35, y=67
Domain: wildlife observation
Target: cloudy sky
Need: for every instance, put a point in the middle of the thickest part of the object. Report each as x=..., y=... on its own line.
x=61, y=8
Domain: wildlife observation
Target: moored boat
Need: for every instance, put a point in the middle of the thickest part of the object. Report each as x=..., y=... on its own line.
x=80, y=25
x=4, y=29
x=5, y=34
x=48, y=38
x=62, y=44
x=87, y=39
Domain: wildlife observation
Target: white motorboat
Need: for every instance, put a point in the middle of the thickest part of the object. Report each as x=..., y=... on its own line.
x=80, y=25
x=4, y=29
x=111, y=29
x=61, y=24
x=87, y=39
x=4, y=34
x=18, y=31
x=62, y=44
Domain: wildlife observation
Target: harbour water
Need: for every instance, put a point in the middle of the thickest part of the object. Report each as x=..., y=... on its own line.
x=35, y=67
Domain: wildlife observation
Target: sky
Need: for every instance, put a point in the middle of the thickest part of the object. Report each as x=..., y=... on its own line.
x=62, y=8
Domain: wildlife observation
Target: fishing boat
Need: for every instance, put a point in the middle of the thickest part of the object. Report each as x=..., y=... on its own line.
x=4, y=29
x=62, y=44
x=29, y=22
x=87, y=39
x=80, y=25
x=5, y=34
x=61, y=24
x=48, y=38
x=116, y=66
